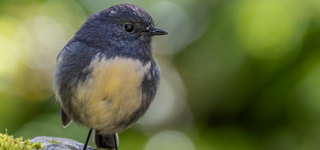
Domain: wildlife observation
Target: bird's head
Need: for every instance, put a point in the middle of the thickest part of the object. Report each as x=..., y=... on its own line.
x=123, y=24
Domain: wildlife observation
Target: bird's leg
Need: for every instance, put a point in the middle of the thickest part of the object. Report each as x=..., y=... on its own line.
x=115, y=142
x=85, y=145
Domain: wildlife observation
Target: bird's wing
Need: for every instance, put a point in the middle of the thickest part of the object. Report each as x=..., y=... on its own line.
x=66, y=120
x=64, y=50
x=69, y=46
x=78, y=56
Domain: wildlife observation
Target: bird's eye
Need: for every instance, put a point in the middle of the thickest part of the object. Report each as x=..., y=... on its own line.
x=128, y=27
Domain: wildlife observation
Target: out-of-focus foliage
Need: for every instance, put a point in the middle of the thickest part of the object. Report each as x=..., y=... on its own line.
x=236, y=74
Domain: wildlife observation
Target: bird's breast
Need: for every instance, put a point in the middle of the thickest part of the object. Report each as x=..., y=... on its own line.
x=111, y=93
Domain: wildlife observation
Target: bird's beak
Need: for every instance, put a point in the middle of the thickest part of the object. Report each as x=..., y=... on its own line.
x=157, y=31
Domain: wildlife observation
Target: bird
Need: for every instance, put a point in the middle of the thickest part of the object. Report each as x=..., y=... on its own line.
x=106, y=76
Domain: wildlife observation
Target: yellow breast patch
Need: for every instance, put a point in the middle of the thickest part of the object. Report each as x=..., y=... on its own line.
x=112, y=92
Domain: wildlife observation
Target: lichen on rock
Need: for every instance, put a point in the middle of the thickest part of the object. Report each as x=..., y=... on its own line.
x=56, y=143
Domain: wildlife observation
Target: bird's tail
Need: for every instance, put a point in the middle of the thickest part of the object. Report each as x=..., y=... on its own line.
x=105, y=141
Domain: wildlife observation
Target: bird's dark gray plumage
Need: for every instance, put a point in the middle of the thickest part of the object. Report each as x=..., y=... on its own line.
x=106, y=76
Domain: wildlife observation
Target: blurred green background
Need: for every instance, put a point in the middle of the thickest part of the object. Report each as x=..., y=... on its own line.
x=236, y=74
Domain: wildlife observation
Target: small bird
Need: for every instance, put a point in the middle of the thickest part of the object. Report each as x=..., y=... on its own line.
x=106, y=76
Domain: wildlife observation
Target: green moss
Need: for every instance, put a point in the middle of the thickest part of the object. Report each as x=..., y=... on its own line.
x=54, y=142
x=10, y=143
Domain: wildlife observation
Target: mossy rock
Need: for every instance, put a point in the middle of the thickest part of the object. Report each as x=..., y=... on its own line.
x=53, y=143
x=8, y=142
